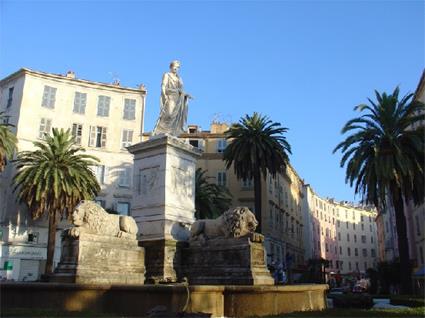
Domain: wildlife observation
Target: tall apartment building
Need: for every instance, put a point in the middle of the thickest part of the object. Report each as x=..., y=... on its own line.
x=343, y=234
x=104, y=119
x=282, y=220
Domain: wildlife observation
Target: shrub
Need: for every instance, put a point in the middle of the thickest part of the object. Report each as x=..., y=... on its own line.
x=406, y=300
x=353, y=301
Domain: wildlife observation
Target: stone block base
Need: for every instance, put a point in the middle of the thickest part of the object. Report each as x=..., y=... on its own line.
x=163, y=259
x=98, y=259
x=226, y=262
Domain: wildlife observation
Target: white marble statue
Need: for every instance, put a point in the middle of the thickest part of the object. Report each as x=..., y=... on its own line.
x=173, y=104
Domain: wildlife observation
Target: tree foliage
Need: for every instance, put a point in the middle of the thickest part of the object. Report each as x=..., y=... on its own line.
x=211, y=200
x=8, y=141
x=257, y=146
x=385, y=150
x=53, y=179
x=384, y=158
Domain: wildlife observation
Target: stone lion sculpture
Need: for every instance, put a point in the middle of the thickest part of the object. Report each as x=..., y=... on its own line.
x=90, y=217
x=233, y=223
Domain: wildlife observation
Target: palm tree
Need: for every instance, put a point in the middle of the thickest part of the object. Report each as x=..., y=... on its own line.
x=8, y=141
x=384, y=158
x=53, y=179
x=211, y=200
x=257, y=146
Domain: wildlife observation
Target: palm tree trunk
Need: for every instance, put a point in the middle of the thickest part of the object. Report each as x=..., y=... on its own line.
x=403, y=244
x=257, y=195
x=51, y=241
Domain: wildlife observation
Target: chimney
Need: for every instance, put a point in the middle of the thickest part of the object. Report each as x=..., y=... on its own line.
x=70, y=74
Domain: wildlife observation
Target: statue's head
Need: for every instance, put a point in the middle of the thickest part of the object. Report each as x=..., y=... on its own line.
x=175, y=66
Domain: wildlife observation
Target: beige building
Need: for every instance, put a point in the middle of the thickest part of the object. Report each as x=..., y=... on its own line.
x=282, y=220
x=104, y=118
x=343, y=234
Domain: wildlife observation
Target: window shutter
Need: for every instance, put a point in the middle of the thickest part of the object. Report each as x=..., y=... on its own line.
x=103, y=140
x=105, y=178
x=48, y=126
x=130, y=137
x=92, y=137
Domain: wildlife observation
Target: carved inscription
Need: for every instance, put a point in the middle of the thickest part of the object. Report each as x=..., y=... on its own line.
x=148, y=180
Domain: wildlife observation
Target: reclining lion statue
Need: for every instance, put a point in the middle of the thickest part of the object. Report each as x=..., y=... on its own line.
x=233, y=223
x=90, y=217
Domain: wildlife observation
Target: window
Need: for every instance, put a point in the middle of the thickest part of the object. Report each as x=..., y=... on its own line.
x=80, y=100
x=247, y=183
x=124, y=176
x=129, y=109
x=103, y=106
x=340, y=250
x=371, y=239
x=194, y=143
x=354, y=226
x=372, y=252
x=348, y=237
x=356, y=251
x=347, y=224
x=364, y=251
x=365, y=266
x=45, y=126
x=221, y=145
x=355, y=238
x=336, y=251
x=370, y=220
x=363, y=238
x=221, y=178
x=97, y=137
x=127, y=138
x=77, y=131
x=123, y=208
x=33, y=237
x=49, y=96
x=10, y=97
x=349, y=266
x=361, y=218
x=348, y=251
x=338, y=223
x=339, y=236
x=357, y=266
x=362, y=227
x=327, y=247
x=100, y=174
x=370, y=228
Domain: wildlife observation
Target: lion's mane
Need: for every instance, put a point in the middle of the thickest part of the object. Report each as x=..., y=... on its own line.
x=233, y=223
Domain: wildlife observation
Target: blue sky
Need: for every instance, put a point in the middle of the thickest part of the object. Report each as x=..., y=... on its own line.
x=306, y=64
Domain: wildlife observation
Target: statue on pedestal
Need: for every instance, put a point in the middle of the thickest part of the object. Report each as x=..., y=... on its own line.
x=173, y=104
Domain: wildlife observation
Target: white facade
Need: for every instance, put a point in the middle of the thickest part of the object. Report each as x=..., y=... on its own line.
x=341, y=233
x=104, y=119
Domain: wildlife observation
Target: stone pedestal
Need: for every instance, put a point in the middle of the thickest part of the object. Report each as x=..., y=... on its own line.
x=163, y=200
x=224, y=261
x=98, y=259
